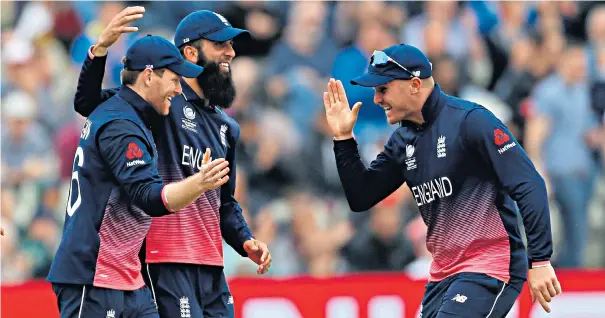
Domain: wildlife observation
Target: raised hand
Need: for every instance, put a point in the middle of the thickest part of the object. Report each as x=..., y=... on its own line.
x=117, y=27
x=340, y=117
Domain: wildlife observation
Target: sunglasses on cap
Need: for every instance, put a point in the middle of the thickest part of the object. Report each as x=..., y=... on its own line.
x=379, y=58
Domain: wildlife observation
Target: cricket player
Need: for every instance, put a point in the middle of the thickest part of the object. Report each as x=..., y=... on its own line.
x=184, y=251
x=465, y=171
x=116, y=190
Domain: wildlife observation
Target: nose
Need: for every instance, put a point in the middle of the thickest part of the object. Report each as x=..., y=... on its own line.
x=229, y=51
x=377, y=98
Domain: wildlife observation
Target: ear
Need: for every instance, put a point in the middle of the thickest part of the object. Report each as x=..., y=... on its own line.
x=190, y=54
x=147, y=76
x=416, y=85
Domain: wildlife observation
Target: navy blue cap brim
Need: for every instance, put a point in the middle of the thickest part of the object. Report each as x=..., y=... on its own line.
x=225, y=34
x=186, y=69
x=371, y=80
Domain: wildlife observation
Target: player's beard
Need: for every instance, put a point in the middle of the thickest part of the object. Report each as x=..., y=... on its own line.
x=217, y=85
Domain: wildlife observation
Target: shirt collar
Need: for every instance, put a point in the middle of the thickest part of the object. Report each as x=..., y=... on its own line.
x=430, y=110
x=141, y=106
x=192, y=97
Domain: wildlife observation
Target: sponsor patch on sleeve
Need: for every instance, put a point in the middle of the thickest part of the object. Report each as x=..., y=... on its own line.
x=134, y=155
x=500, y=139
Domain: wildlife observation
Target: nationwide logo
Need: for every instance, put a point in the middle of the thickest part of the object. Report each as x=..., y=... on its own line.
x=501, y=138
x=134, y=163
x=505, y=148
x=134, y=152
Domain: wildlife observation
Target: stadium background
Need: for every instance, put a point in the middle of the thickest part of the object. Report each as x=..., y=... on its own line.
x=328, y=261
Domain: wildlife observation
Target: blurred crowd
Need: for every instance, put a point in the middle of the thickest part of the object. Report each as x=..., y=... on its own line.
x=539, y=66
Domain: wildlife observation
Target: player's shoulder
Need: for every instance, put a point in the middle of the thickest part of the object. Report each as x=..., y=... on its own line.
x=112, y=107
x=461, y=105
x=117, y=112
x=227, y=119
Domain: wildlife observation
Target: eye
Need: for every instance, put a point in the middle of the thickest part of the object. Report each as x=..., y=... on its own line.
x=225, y=43
x=381, y=89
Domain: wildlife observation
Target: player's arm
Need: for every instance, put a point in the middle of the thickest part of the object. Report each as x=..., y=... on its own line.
x=129, y=155
x=517, y=174
x=364, y=186
x=234, y=228
x=89, y=93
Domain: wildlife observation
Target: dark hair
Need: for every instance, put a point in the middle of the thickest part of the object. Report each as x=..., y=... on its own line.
x=129, y=77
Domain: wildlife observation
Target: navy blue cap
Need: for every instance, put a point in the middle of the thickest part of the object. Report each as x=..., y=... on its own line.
x=205, y=24
x=155, y=52
x=407, y=62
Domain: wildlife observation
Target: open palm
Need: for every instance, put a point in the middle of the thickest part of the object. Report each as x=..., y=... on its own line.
x=340, y=117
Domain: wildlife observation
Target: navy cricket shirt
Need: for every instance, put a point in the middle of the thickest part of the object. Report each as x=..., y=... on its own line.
x=465, y=171
x=193, y=235
x=115, y=189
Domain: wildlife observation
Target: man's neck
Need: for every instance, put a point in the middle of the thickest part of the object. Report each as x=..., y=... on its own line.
x=416, y=117
x=138, y=90
x=192, y=82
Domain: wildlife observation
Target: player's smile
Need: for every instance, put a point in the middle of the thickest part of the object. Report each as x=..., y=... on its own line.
x=225, y=66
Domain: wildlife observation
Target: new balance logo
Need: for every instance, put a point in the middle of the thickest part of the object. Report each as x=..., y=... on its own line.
x=111, y=314
x=459, y=298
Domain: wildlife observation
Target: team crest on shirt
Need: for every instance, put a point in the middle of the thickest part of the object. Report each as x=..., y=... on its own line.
x=184, y=306
x=111, y=314
x=410, y=160
x=85, y=130
x=224, y=135
x=441, y=147
x=189, y=116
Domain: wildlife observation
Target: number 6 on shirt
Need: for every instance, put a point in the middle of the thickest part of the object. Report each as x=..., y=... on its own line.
x=79, y=160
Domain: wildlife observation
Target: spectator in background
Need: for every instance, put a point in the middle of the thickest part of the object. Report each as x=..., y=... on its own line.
x=446, y=14
x=261, y=19
x=517, y=82
x=28, y=159
x=381, y=244
x=556, y=140
x=595, y=51
x=299, y=63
